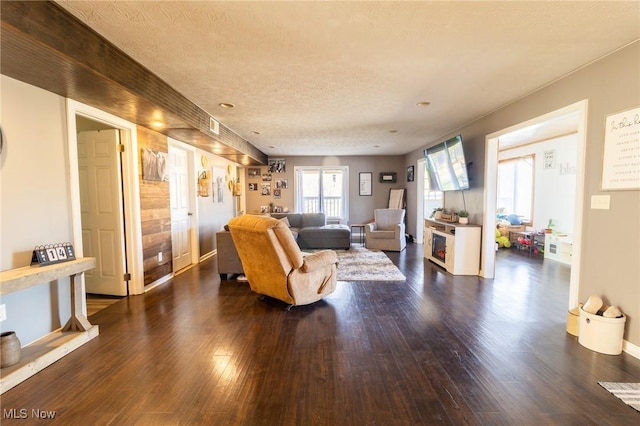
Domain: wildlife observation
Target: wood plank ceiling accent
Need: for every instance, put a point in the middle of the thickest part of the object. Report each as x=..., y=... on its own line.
x=43, y=45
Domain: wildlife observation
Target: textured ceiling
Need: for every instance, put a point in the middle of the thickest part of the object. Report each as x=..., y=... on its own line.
x=343, y=78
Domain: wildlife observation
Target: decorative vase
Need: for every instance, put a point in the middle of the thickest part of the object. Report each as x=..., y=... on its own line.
x=9, y=349
x=463, y=220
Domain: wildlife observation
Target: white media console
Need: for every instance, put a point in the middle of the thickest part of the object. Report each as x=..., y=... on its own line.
x=453, y=246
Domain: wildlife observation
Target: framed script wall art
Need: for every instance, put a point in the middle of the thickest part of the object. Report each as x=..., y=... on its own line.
x=621, y=160
x=365, y=183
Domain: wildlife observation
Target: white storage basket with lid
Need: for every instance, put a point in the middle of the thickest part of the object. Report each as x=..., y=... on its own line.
x=601, y=334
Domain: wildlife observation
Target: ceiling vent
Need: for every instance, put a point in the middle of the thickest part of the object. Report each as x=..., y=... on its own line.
x=214, y=126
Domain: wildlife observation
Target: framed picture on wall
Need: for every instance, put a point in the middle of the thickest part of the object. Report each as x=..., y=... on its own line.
x=388, y=177
x=365, y=183
x=410, y=171
x=277, y=165
x=154, y=165
x=621, y=147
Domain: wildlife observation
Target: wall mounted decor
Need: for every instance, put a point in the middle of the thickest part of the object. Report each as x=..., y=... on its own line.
x=203, y=184
x=154, y=165
x=365, y=183
x=388, y=177
x=621, y=146
x=218, y=182
x=549, y=160
x=410, y=173
x=277, y=165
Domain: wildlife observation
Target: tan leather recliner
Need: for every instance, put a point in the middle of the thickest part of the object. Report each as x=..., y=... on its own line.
x=387, y=232
x=274, y=264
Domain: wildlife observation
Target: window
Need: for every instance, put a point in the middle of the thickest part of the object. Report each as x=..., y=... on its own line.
x=323, y=190
x=515, y=187
x=430, y=199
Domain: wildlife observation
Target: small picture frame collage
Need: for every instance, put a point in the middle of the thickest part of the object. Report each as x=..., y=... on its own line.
x=267, y=184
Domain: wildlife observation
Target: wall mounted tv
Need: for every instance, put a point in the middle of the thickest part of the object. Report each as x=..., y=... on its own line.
x=446, y=165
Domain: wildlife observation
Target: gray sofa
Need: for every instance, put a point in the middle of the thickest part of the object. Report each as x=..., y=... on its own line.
x=309, y=229
x=312, y=232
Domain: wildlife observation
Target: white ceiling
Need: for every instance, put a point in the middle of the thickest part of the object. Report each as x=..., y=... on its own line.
x=343, y=78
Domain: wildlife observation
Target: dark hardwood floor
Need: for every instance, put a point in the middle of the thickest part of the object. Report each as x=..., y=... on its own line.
x=98, y=302
x=435, y=349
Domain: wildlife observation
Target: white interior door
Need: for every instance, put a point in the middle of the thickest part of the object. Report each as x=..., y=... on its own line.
x=101, y=206
x=181, y=214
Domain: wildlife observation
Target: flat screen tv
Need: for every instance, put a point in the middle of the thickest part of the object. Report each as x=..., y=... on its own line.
x=446, y=165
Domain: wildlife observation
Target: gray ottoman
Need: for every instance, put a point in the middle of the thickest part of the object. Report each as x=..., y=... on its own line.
x=325, y=237
x=228, y=259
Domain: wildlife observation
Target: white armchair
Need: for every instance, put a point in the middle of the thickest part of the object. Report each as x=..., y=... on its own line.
x=388, y=230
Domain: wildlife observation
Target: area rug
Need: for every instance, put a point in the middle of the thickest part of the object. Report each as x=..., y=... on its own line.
x=629, y=393
x=360, y=264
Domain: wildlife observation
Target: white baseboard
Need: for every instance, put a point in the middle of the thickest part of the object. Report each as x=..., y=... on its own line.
x=158, y=282
x=208, y=255
x=631, y=349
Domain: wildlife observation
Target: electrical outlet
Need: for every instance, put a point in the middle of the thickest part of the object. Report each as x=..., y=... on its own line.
x=159, y=256
x=3, y=312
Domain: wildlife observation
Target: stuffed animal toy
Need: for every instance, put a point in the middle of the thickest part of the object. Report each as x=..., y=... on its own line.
x=502, y=240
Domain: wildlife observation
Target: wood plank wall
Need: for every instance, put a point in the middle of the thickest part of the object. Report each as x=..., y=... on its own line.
x=155, y=213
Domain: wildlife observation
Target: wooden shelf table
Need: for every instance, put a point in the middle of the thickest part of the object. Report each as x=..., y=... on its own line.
x=76, y=332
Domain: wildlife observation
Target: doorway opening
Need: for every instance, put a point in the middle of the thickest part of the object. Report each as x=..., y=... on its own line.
x=101, y=207
x=564, y=121
x=123, y=190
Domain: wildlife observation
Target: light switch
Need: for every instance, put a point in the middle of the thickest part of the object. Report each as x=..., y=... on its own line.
x=600, y=202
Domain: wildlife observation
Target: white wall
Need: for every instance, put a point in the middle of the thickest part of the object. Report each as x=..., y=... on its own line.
x=212, y=214
x=34, y=202
x=555, y=188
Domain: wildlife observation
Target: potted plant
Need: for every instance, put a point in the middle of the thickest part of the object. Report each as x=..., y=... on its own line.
x=550, y=225
x=463, y=216
x=437, y=213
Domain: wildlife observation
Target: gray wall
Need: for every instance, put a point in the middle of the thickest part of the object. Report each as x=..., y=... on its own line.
x=360, y=207
x=610, y=247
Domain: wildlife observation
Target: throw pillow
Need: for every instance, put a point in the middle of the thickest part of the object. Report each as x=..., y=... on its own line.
x=514, y=219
